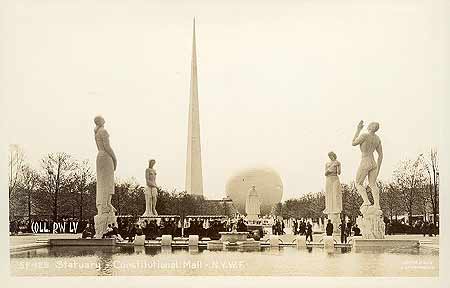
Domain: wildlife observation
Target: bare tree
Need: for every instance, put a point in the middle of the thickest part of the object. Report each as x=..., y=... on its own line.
x=15, y=164
x=30, y=181
x=83, y=178
x=432, y=168
x=351, y=201
x=59, y=168
x=409, y=177
x=390, y=200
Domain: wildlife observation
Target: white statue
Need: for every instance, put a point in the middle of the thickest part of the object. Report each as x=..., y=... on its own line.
x=106, y=165
x=368, y=143
x=151, y=191
x=371, y=223
x=333, y=191
x=253, y=204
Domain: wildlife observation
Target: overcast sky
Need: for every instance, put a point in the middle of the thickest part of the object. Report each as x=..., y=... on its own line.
x=281, y=83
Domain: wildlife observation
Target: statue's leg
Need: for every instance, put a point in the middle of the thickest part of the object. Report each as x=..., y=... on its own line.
x=110, y=204
x=373, y=186
x=154, y=199
x=147, y=204
x=360, y=176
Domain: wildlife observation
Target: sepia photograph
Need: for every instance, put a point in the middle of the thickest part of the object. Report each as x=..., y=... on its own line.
x=287, y=140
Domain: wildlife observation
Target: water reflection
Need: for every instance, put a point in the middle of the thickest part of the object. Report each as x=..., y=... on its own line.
x=166, y=249
x=138, y=260
x=139, y=250
x=345, y=250
x=193, y=250
x=152, y=251
x=104, y=263
x=63, y=251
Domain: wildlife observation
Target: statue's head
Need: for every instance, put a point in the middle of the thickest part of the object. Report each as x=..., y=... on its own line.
x=151, y=163
x=99, y=120
x=373, y=127
x=332, y=155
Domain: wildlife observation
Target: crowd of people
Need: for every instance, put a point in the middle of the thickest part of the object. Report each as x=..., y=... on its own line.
x=155, y=227
x=418, y=227
x=278, y=227
x=209, y=227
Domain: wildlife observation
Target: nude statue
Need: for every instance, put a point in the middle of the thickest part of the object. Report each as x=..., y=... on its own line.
x=368, y=143
x=151, y=191
x=106, y=164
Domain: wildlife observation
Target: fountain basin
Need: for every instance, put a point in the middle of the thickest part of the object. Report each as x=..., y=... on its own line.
x=233, y=237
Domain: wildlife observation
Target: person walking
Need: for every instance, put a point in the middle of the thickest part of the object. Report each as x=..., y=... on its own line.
x=343, y=228
x=349, y=228
x=329, y=228
x=356, y=230
x=309, y=232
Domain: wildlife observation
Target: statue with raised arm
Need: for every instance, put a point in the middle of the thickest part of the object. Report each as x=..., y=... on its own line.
x=151, y=191
x=333, y=191
x=106, y=164
x=368, y=143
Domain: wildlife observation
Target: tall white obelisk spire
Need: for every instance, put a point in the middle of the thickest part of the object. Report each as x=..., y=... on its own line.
x=194, y=178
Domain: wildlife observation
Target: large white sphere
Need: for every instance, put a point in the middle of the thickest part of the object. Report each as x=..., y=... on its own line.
x=268, y=185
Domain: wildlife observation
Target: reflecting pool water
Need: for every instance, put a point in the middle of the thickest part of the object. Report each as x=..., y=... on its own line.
x=285, y=261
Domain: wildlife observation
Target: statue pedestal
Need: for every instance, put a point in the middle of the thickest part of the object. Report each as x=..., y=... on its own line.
x=371, y=224
x=101, y=222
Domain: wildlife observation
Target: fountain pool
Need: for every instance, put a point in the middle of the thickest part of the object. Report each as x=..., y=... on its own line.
x=168, y=261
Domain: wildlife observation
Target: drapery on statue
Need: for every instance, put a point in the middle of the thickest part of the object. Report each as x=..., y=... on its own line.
x=333, y=192
x=105, y=166
x=368, y=143
x=151, y=192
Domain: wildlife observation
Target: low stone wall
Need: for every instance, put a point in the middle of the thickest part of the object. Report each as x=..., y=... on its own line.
x=400, y=243
x=82, y=242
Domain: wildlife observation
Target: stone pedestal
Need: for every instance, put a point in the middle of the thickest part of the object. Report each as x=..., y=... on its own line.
x=101, y=223
x=166, y=240
x=193, y=240
x=139, y=240
x=371, y=224
x=328, y=242
x=301, y=241
x=274, y=241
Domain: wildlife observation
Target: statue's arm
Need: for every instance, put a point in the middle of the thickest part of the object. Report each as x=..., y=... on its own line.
x=358, y=139
x=380, y=156
x=339, y=168
x=108, y=148
x=147, y=177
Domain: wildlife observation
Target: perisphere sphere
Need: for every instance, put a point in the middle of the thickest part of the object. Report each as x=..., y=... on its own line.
x=267, y=182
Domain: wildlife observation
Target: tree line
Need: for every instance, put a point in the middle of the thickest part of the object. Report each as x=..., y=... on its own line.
x=63, y=186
